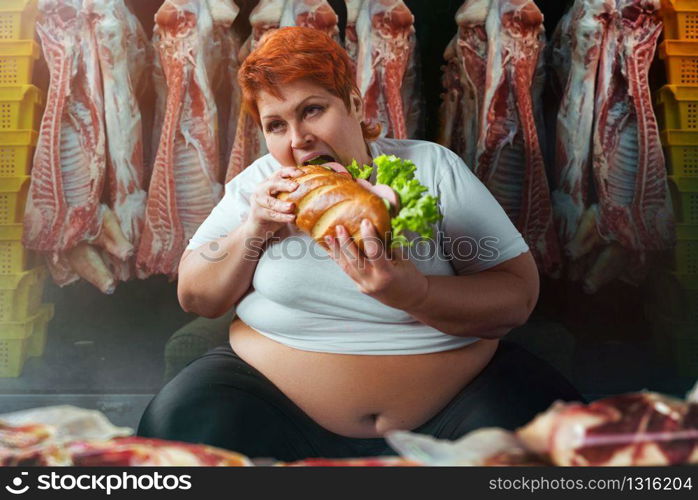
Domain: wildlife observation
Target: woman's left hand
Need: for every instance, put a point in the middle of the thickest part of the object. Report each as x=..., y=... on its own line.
x=394, y=281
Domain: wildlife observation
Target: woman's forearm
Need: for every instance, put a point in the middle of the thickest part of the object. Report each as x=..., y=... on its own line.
x=214, y=276
x=485, y=305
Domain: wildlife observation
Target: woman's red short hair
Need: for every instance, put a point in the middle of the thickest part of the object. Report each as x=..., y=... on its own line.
x=292, y=53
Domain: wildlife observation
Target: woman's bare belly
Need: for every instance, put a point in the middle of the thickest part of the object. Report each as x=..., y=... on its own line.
x=363, y=396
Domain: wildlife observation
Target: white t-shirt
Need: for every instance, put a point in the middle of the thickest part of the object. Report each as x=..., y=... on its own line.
x=301, y=298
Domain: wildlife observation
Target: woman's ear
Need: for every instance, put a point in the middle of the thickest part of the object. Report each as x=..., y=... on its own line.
x=356, y=107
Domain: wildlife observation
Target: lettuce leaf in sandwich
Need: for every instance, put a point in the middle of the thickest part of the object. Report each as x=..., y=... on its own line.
x=418, y=211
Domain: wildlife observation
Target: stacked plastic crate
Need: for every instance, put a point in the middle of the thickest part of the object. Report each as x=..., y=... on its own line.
x=23, y=319
x=674, y=304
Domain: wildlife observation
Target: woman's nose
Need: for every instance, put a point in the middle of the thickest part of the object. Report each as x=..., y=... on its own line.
x=301, y=138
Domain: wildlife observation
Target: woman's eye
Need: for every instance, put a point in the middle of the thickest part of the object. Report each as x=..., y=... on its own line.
x=274, y=126
x=313, y=110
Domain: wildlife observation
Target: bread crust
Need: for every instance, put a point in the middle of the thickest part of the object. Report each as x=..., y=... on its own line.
x=321, y=189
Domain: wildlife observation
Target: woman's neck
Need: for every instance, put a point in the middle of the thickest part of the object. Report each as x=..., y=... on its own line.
x=368, y=158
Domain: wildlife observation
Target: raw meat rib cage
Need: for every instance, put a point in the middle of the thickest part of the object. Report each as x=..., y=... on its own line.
x=385, y=58
x=185, y=185
x=65, y=219
x=621, y=208
x=491, y=117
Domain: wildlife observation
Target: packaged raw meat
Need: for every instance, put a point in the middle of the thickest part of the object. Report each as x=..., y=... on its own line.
x=635, y=429
x=71, y=436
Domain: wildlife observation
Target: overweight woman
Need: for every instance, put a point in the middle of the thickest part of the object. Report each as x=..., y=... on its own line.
x=330, y=349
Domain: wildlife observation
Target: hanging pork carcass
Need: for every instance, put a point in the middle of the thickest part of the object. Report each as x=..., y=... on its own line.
x=464, y=81
x=351, y=40
x=387, y=44
x=630, y=214
x=221, y=67
x=122, y=60
x=65, y=219
x=509, y=158
x=225, y=48
x=450, y=111
x=249, y=140
x=316, y=14
x=184, y=186
x=583, y=28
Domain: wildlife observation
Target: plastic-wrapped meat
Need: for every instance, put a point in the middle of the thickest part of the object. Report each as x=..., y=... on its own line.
x=65, y=219
x=111, y=24
x=509, y=155
x=644, y=429
x=249, y=141
x=487, y=446
x=184, y=187
x=386, y=43
x=141, y=452
x=118, y=452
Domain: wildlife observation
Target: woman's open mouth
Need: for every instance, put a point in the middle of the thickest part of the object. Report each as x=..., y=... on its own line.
x=319, y=160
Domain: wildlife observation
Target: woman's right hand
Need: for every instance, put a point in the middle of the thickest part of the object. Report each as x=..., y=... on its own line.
x=268, y=214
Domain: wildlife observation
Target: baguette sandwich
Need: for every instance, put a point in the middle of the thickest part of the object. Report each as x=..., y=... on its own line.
x=330, y=194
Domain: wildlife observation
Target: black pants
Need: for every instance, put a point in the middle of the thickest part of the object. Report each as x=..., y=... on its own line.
x=220, y=400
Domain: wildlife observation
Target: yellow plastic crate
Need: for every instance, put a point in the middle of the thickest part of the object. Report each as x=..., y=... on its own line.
x=37, y=341
x=22, y=339
x=17, y=19
x=20, y=294
x=681, y=60
x=681, y=148
x=684, y=195
x=17, y=61
x=680, y=19
x=686, y=251
x=16, y=152
x=677, y=107
x=20, y=107
x=13, y=198
x=14, y=258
